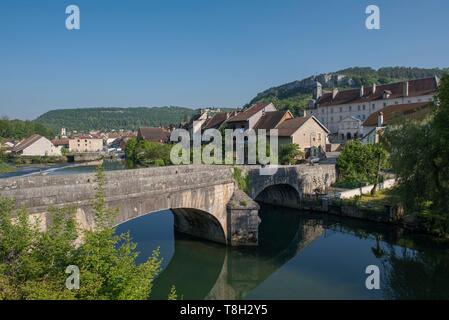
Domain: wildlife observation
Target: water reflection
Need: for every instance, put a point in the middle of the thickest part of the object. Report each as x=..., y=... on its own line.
x=301, y=256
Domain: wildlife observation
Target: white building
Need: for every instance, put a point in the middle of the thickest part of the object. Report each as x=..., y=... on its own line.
x=331, y=108
x=36, y=145
x=85, y=144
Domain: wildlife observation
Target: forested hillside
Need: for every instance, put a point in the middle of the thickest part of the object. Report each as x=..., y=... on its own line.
x=295, y=95
x=18, y=129
x=87, y=119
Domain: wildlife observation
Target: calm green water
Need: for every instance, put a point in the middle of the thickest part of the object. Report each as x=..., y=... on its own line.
x=301, y=256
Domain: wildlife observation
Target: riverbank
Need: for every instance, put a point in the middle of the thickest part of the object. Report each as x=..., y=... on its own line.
x=6, y=168
x=384, y=207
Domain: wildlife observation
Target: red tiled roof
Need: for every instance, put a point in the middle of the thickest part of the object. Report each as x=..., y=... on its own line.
x=410, y=110
x=290, y=126
x=154, y=134
x=216, y=121
x=271, y=119
x=417, y=87
x=248, y=113
x=60, y=142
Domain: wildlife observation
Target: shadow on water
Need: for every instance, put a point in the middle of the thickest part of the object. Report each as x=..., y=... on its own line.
x=301, y=255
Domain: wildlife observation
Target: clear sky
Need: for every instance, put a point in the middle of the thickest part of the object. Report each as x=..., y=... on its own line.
x=199, y=53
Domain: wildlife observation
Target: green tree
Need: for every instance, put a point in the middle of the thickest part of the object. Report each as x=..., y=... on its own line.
x=420, y=158
x=362, y=163
x=289, y=153
x=33, y=263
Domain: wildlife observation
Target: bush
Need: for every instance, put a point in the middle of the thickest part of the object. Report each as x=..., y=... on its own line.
x=33, y=263
x=289, y=154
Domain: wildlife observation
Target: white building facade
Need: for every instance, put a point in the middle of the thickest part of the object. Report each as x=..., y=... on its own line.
x=334, y=107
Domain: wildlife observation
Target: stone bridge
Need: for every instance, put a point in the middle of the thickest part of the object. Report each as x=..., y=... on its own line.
x=204, y=199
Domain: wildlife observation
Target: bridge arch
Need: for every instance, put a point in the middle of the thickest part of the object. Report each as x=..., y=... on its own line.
x=191, y=221
x=280, y=194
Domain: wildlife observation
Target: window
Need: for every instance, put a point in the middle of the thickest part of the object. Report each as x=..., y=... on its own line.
x=322, y=110
x=332, y=119
x=332, y=110
x=385, y=104
x=374, y=106
x=341, y=109
x=364, y=107
x=341, y=118
x=350, y=108
x=396, y=102
x=358, y=107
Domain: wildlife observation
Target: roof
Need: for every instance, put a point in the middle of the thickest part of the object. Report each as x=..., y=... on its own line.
x=248, y=113
x=154, y=134
x=416, y=87
x=271, y=119
x=26, y=143
x=409, y=110
x=290, y=126
x=60, y=142
x=216, y=121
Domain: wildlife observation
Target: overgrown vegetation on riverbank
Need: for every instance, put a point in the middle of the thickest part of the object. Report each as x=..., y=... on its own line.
x=33, y=263
x=146, y=153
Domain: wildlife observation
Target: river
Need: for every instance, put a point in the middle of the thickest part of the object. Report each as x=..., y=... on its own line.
x=61, y=169
x=301, y=256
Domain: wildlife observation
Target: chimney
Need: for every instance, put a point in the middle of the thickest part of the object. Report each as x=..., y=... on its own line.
x=374, y=88
x=380, y=119
x=405, y=93
x=334, y=92
x=362, y=90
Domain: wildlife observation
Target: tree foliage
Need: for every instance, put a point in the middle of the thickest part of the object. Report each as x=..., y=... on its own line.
x=420, y=157
x=146, y=153
x=86, y=119
x=289, y=153
x=18, y=129
x=33, y=263
x=360, y=163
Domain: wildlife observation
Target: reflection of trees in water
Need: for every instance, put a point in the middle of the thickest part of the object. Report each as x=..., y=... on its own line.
x=419, y=273
x=413, y=267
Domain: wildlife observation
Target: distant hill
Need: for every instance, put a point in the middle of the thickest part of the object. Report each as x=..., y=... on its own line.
x=295, y=95
x=86, y=119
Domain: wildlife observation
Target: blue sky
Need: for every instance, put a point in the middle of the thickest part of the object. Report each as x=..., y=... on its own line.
x=199, y=53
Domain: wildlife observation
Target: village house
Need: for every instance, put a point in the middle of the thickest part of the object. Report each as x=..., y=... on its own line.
x=113, y=139
x=63, y=142
x=36, y=145
x=248, y=118
x=331, y=108
x=7, y=146
x=160, y=135
x=83, y=144
x=376, y=122
x=306, y=132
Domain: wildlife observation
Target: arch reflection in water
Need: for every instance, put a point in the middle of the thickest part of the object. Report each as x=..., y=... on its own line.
x=300, y=256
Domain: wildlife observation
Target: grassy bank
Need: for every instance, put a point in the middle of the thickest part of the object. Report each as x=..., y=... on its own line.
x=6, y=168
